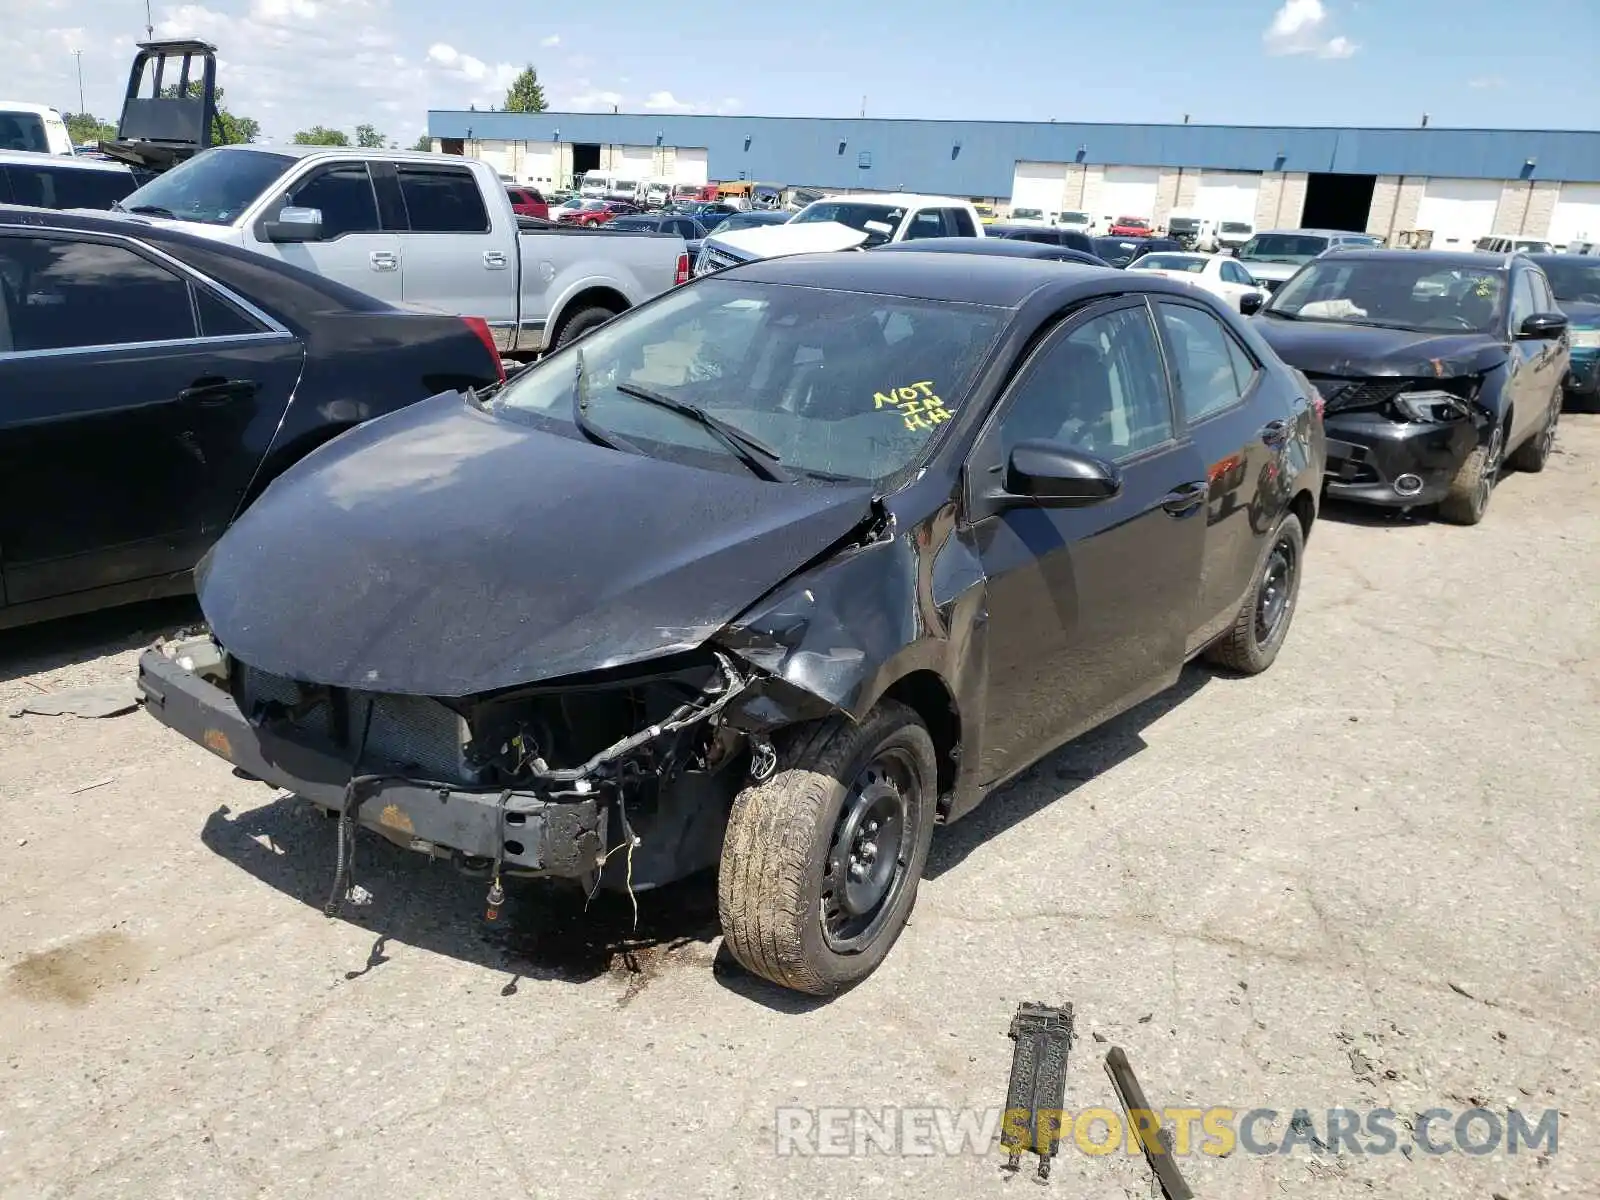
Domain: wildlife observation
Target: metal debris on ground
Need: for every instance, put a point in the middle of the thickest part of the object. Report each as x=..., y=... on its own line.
x=1038, y=1087
x=1145, y=1123
x=101, y=700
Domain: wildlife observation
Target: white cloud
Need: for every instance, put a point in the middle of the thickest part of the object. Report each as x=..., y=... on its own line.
x=590, y=97
x=1487, y=81
x=1303, y=27
x=664, y=102
x=288, y=63
x=553, y=40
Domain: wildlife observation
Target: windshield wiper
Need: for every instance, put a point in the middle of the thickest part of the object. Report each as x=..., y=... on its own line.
x=153, y=210
x=762, y=459
x=580, y=415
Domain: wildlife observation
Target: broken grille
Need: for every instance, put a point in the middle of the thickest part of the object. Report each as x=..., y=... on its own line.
x=1357, y=393
x=415, y=734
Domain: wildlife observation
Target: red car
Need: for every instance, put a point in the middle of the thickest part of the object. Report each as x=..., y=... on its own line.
x=527, y=202
x=594, y=212
x=1130, y=227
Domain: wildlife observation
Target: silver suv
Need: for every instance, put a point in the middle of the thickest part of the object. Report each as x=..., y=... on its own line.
x=1274, y=255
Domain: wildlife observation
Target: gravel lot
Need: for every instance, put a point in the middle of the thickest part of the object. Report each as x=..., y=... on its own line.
x=1365, y=878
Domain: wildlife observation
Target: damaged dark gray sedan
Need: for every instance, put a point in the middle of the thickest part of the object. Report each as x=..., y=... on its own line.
x=774, y=573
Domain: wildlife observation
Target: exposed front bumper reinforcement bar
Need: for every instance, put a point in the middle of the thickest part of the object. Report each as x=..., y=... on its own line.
x=528, y=832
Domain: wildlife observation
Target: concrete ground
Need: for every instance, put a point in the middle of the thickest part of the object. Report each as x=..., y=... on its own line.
x=1367, y=878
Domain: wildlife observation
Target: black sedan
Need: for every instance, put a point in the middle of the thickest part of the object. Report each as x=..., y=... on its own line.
x=777, y=570
x=154, y=383
x=995, y=247
x=1120, y=251
x=1437, y=369
x=667, y=223
x=1049, y=235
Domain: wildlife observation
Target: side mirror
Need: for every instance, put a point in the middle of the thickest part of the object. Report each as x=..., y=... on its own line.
x=1250, y=303
x=295, y=225
x=1544, y=327
x=1059, y=475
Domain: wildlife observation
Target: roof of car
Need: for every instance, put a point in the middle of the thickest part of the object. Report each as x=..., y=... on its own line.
x=33, y=158
x=995, y=246
x=293, y=151
x=998, y=280
x=1441, y=258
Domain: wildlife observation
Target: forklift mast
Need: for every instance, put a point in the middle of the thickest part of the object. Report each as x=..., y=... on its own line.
x=170, y=111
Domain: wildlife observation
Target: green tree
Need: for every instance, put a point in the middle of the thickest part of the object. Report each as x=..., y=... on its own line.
x=368, y=138
x=86, y=127
x=525, y=93
x=230, y=130
x=319, y=135
x=423, y=143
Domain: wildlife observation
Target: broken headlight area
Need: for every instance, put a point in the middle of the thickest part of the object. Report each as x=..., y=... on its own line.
x=1438, y=406
x=1432, y=401
x=622, y=779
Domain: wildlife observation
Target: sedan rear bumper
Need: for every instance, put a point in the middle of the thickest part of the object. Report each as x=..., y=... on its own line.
x=1399, y=464
x=531, y=833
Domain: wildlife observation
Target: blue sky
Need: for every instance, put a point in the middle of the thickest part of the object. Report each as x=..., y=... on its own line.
x=291, y=63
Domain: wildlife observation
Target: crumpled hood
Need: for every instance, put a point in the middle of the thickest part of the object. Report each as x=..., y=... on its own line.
x=1334, y=348
x=443, y=551
x=771, y=241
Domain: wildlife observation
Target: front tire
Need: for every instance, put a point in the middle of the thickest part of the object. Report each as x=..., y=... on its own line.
x=1473, y=485
x=1263, y=620
x=1532, y=455
x=580, y=323
x=821, y=862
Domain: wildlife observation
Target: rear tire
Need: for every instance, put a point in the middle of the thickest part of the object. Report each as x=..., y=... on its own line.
x=1264, y=616
x=580, y=323
x=1532, y=455
x=821, y=862
x=1473, y=485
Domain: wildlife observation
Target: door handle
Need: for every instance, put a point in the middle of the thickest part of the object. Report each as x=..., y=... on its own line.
x=384, y=260
x=1275, y=433
x=213, y=391
x=1186, y=497
x=494, y=260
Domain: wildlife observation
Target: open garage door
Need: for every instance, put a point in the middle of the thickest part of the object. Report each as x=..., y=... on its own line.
x=1129, y=192
x=1039, y=185
x=691, y=165
x=639, y=162
x=1459, y=211
x=1228, y=195
x=1577, y=215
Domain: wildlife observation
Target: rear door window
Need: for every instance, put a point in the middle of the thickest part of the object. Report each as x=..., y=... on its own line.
x=960, y=221
x=48, y=186
x=1204, y=360
x=344, y=195
x=442, y=200
x=60, y=294
x=929, y=223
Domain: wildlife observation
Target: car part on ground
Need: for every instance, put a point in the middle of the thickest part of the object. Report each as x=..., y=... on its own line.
x=1144, y=1123
x=1042, y=1039
x=773, y=573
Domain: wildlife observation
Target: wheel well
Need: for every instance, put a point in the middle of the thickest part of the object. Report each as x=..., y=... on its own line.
x=1304, y=507
x=595, y=297
x=926, y=694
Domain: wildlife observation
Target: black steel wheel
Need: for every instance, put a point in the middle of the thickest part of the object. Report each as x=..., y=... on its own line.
x=1262, y=623
x=821, y=862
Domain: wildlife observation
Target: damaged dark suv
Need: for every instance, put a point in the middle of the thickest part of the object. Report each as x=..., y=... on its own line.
x=773, y=574
x=1437, y=369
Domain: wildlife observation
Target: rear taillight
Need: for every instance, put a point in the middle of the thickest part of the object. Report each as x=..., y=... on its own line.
x=485, y=335
x=683, y=270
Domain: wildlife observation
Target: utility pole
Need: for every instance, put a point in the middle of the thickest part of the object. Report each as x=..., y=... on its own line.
x=149, y=25
x=863, y=106
x=78, y=54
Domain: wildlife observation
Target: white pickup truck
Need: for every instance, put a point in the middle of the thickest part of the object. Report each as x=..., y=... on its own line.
x=843, y=223
x=425, y=230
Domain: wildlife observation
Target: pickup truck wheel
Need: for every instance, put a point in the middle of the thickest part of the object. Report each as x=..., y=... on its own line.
x=1473, y=485
x=580, y=323
x=1263, y=620
x=821, y=861
x=1532, y=455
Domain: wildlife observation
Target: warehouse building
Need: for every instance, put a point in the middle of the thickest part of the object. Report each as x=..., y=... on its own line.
x=1458, y=183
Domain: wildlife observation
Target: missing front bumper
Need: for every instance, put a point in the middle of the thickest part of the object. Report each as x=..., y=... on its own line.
x=528, y=832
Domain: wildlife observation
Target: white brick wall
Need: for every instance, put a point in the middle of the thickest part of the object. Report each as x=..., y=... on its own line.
x=1385, y=196
x=1281, y=200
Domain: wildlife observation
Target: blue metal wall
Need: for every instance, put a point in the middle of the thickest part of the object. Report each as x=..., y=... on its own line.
x=978, y=158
